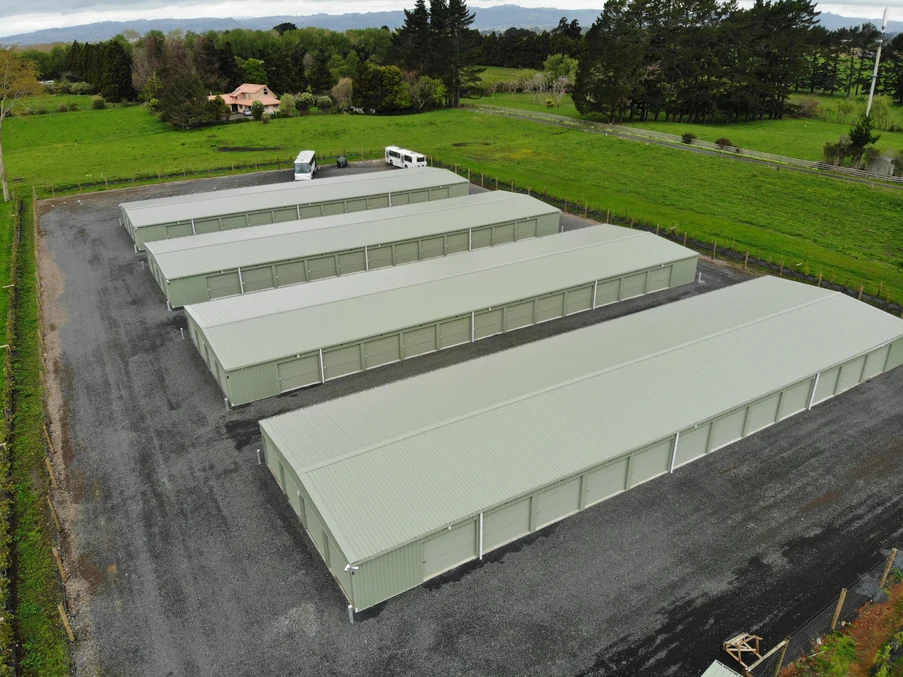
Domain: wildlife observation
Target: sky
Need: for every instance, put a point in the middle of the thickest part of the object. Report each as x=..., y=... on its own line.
x=16, y=17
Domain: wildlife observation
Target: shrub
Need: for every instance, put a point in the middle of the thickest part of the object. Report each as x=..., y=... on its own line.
x=324, y=103
x=287, y=105
x=42, y=111
x=257, y=110
x=898, y=163
x=63, y=108
x=266, y=119
x=27, y=111
x=98, y=103
x=73, y=106
x=81, y=88
x=895, y=128
x=305, y=102
x=807, y=107
x=549, y=103
x=688, y=137
x=723, y=143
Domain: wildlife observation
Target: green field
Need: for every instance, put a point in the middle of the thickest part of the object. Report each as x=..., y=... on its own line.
x=494, y=74
x=52, y=102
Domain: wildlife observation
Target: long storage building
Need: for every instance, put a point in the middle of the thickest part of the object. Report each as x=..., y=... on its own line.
x=401, y=483
x=182, y=215
x=264, y=344
x=204, y=267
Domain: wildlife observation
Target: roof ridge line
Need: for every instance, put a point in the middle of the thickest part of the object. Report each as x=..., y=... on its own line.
x=558, y=386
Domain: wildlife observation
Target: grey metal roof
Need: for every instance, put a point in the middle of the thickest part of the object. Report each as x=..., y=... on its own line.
x=716, y=669
x=390, y=465
x=268, y=325
x=241, y=200
x=223, y=250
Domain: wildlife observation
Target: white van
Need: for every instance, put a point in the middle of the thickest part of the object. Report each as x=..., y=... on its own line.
x=401, y=157
x=306, y=165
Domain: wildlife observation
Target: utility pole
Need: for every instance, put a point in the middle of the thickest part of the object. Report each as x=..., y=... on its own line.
x=868, y=108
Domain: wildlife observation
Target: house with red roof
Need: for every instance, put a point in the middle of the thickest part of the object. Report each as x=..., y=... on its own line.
x=245, y=94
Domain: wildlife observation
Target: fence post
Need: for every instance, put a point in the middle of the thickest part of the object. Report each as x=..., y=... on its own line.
x=65, y=619
x=468, y=176
x=585, y=208
x=481, y=179
x=838, y=609
x=880, y=287
x=607, y=216
x=780, y=663
x=496, y=183
x=565, y=205
x=861, y=288
x=714, y=249
x=781, y=273
x=819, y=279
x=685, y=238
x=890, y=563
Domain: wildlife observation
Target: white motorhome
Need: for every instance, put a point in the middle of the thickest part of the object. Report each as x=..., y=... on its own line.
x=306, y=165
x=401, y=157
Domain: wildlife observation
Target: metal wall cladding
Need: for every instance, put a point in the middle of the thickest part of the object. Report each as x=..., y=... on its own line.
x=449, y=549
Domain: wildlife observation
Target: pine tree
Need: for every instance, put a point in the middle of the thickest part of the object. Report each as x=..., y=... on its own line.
x=412, y=41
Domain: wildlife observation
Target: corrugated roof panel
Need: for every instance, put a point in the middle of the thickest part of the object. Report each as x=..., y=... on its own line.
x=244, y=247
x=717, y=669
x=378, y=496
x=144, y=213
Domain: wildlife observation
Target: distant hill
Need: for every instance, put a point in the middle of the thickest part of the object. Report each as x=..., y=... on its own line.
x=488, y=19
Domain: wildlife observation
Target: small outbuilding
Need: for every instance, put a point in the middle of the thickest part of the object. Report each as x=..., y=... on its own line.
x=399, y=484
x=263, y=344
x=182, y=215
x=200, y=268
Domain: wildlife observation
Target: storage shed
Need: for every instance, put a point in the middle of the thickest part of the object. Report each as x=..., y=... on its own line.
x=401, y=483
x=204, y=267
x=182, y=215
x=264, y=344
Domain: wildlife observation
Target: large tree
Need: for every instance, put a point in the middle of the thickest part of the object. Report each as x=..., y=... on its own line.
x=18, y=79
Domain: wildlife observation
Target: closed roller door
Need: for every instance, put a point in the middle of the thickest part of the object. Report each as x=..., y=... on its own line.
x=557, y=503
x=502, y=234
x=657, y=279
x=439, y=193
x=419, y=341
x=317, y=535
x=480, y=238
x=406, y=252
x=874, y=363
x=260, y=218
x=519, y=315
x=850, y=374
x=254, y=279
x=449, y=549
x=419, y=196
x=333, y=208
x=650, y=463
x=297, y=373
x=341, y=361
x=526, y=229
x=633, y=285
x=827, y=382
x=487, y=323
x=230, y=222
x=352, y=262
x=577, y=300
x=356, y=205
x=506, y=524
x=382, y=351
x=321, y=267
x=607, y=292
x=285, y=214
x=433, y=247
x=225, y=284
x=290, y=273
x=728, y=429
x=549, y=307
x=454, y=332
x=311, y=211
x=291, y=492
x=605, y=482
x=179, y=230
x=456, y=242
x=378, y=201
x=762, y=414
x=380, y=257
x=692, y=444
x=398, y=199
x=795, y=399
x=206, y=226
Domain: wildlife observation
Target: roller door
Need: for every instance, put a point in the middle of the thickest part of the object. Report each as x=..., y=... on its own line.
x=526, y=229
x=850, y=374
x=311, y=211
x=506, y=524
x=487, y=323
x=557, y=503
x=405, y=252
x=480, y=238
x=254, y=279
x=206, y=226
x=874, y=363
x=260, y=218
x=449, y=549
x=323, y=266
x=356, y=205
x=762, y=414
x=827, y=382
x=419, y=196
x=692, y=444
x=550, y=307
x=795, y=399
x=605, y=482
x=398, y=199
x=658, y=279
x=454, y=332
x=230, y=222
x=382, y=351
x=650, y=463
x=439, y=193
x=285, y=214
x=518, y=315
x=291, y=493
x=608, y=292
x=179, y=230
x=352, y=262
x=456, y=242
x=633, y=285
x=420, y=341
x=380, y=257
x=297, y=373
x=224, y=284
x=378, y=201
x=317, y=535
x=432, y=247
x=341, y=361
x=728, y=429
x=333, y=208
x=502, y=234
x=290, y=273
x=578, y=300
